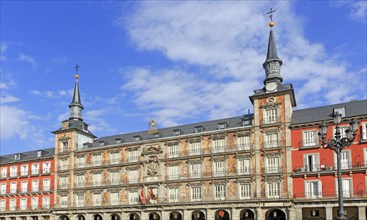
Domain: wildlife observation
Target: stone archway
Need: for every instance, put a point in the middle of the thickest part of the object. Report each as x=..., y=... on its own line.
x=197, y=215
x=154, y=216
x=222, y=215
x=115, y=216
x=134, y=216
x=276, y=214
x=97, y=217
x=64, y=217
x=81, y=217
x=247, y=214
x=175, y=215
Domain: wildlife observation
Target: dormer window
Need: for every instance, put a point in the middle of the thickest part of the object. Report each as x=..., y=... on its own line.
x=85, y=145
x=199, y=129
x=101, y=143
x=39, y=153
x=176, y=132
x=137, y=138
x=340, y=111
x=85, y=127
x=222, y=126
x=246, y=121
x=17, y=157
x=118, y=141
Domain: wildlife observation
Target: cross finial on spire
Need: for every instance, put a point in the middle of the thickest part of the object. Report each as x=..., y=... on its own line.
x=76, y=69
x=270, y=13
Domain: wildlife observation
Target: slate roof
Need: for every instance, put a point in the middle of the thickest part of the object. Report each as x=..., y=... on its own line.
x=24, y=156
x=232, y=122
x=318, y=114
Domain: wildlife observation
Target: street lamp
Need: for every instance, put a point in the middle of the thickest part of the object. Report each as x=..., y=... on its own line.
x=337, y=143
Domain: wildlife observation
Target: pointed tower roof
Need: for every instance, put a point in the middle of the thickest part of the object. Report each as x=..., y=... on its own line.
x=76, y=97
x=76, y=106
x=272, y=53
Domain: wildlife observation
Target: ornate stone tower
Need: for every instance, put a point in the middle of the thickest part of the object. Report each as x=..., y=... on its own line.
x=71, y=137
x=272, y=116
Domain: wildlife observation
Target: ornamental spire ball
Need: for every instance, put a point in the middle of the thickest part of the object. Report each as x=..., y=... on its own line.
x=270, y=13
x=271, y=24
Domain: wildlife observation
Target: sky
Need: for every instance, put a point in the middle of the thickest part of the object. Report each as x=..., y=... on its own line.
x=177, y=62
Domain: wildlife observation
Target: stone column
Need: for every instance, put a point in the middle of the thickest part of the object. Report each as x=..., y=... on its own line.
x=18, y=218
x=144, y=216
x=74, y=217
x=210, y=214
x=329, y=213
x=106, y=216
x=294, y=213
x=235, y=214
x=186, y=215
x=165, y=215
x=125, y=216
x=361, y=213
x=260, y=214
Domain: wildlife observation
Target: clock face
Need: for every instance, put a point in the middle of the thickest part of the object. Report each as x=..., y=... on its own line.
x=271, y=86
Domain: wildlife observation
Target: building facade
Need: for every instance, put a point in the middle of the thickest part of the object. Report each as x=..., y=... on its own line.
x=27, y=185
x=314, y=168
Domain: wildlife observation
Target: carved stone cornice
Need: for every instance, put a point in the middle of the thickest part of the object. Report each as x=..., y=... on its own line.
x=132, y=148
x=97, y=171
x=115, y=150
x=135, y=167
x=150, y=150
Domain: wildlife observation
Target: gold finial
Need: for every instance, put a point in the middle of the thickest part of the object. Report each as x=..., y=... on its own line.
x=270, y=13
x=76, y=69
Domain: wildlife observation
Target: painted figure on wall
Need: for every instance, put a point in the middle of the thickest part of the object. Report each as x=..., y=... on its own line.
x=105, y=177
x=152, y=165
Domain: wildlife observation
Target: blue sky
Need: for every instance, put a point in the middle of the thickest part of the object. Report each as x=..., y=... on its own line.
x=176, y=62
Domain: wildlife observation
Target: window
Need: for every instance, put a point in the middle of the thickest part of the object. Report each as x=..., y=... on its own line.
x=23, y=204
x=364, y=131
x=24, y=170
x=176, y=132
x=46, y=202
x=35, y=185
x=46, y=167
x=39, y=153
x=2, y=205
x=340, y=111
x=309, y=138
x=273, y=189
x=137, y=138
x=345, y=160
x=63, y=164
x=14, y=171
x=13, y=187
x=342, y=131
x=244, y=142
x=97, y=179
x=243, y=166
x=64, y=147
x=63, y=183
x=219, y=168
x=199, y=129
x=245, y=190
x=313, y=189
x=80, y=179
x=222, y=126
x=270, y=116
x=196, y=193
x=173, y=151
x=311, y=162
x=219, y=192
x=271, y=140
x=3, y=188
x=115, y=177
x=133, y=176
x=115, y=200
x=79, y=200
x=24, y=186
x=35, y=169
x=173, y=172
x=195, y=170
x=133, y=156
x=63, y=201
x=80, y=162
x=347, y=190
x=118, y=141
x=97, y=199
x=272, y=165
x=219, y=145
x=13, y=204
x=4, y=171
x=195, y=148
x=97, y=160
x=115, y=158
x=46, y=185
x=133, y=197
x=34, y=203
x=173, y=195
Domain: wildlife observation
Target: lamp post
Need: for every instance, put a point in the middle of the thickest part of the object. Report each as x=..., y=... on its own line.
x=337, y=143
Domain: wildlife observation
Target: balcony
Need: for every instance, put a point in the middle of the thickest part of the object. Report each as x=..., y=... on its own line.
x=64, y=150
x=63, y=167
x=63, y=186
x=35, y=189
x=132, y=160
x=24, y=189
x=308, y=144
x=270, y=120
x=331, y=194
x=357, y=166
x=273, y=170
x=133, y=180
x=35, y=172
x=219, y=173
x=23, y=208
x=46, y=171
x=24, y=173
x=272, y=145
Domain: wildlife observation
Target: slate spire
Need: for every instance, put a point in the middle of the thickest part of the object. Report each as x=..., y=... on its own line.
x=76, y=106
x=272, y=63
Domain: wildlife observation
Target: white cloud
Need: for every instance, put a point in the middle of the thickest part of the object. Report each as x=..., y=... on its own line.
x=60, y=60
x=28, y=59
x=8, y=99
x=225, y=43
x=52, y=94
x=97, y=122
x=358, y=10
x=13, y=122
x=3, y=48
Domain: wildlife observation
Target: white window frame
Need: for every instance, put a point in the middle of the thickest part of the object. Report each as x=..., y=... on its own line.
x=244, y=190
x=196, y=193
x=79, y=200
x=272, y=164
x=195, y=169
x=173, y=194
x=347, y=191
x=35, y=170
x=243, y=166
x=34, y=203
x=313, y=189
x=35, y=185
x=219, y=191
x=46, y=185
x=133, y=197
x=80, y=162
x=24, y=170
x=13, y=187
x=115, y=177
x=46, y=202
x=115, y=157
x=97, y=160
x=4, y=171
x=46, y=167
x=133, y=176
x=271, y=140
x=133, y=156
x=2, y=205
x=195, y=148
x=244, y=142
x=173, y=150
x=219, y=168
x=97, y=179
x=345, y=159
x=273, y=189
x=309, y=138
x=23, y=203
x=219, y=145
x=2, y=188
x=364, y=131
x=270, y=115
x=24, y=186
x=80, y=180
x=115, y=198
x=173, y=172
x=12, y=204
x=311, y=162
x=13, y=171
x=63, y=201
x=97, y=199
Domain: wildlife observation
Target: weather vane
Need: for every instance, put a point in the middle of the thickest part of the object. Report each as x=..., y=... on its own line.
x=270, y=13
x=76, y=69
